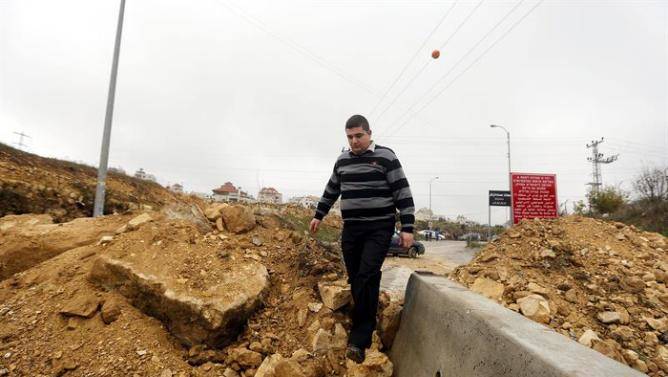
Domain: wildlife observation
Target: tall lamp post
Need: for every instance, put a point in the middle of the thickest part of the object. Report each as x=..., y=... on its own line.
x=509, y=179
x=98, y=209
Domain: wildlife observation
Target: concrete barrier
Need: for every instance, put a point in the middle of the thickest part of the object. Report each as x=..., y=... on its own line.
x=448, y=331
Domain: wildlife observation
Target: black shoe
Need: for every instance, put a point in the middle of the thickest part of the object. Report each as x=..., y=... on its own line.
x=355, y=354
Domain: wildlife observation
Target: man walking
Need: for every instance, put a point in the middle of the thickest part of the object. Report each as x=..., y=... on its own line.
x=372, y=186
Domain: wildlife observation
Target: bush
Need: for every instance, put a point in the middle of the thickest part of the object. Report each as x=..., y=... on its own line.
x=607, y=200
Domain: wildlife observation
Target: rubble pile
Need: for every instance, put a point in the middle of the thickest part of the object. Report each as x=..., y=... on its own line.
x=229, y=290
x=600, y=283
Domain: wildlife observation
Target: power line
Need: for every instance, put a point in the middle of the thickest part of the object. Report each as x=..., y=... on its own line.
x=295, y=46
x=447, y=74
x=468, y=67
x=417, y=52
x=426, y=64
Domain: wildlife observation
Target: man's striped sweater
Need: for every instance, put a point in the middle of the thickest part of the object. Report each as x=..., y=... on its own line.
x=372, y=187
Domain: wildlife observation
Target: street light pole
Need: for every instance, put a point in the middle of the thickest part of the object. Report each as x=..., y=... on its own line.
x=430, y=182
x=98, y=209
x=509, y=170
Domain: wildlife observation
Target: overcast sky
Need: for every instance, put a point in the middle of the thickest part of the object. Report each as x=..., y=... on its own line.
x=257, y=92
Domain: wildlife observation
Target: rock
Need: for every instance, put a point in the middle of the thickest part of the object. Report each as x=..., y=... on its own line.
x=609, y=348
x=587, y=338
x=106, y=239
x=488, y=288
x=219, y=224
x=547, y=253
x=388, y=325
x=213, y=212
x=83, y=305
x=111, y=310
x=238, y=219
x=315, y=306
x=340, y=338
x=514, y=235
x=229, y=372
x=609, y=317
x=256, y=346
x=257, y=241
x=268, y=366
x=122, y=229
x=535, y=307
x=620, y=236
x=335, y=294
x=321, y=341
x=622, y=333
x=138, y=221
x=657, y=324
x=535, y=288
x=632, y=284
x=213, y=315
x=245, y=357
x=376, y=364
x=166, y=373
x=302, y=315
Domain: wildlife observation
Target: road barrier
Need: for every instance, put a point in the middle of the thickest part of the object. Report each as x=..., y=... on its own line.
x=448, y=331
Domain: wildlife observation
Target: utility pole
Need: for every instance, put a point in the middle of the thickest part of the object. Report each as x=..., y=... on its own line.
x=510, y=184
x=21, y=136
x=430, y=182
x=596, y=160
x=98, y=210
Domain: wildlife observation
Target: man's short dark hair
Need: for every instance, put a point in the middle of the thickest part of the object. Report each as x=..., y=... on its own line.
x=358, y=121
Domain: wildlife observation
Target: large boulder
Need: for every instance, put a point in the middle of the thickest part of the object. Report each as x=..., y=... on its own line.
x=211, y=313
x=238, y=219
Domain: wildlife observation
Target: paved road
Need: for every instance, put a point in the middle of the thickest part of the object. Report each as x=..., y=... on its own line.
x=440, y=258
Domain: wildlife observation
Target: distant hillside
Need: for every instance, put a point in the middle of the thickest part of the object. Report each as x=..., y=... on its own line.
x=66, y=190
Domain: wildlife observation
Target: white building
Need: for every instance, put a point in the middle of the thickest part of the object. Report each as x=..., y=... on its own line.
x=310, y=201
x=141, y=174
x=270, y=195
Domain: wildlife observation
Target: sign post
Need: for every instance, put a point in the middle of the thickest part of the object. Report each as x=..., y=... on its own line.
x=497, y=198
x=534, y=196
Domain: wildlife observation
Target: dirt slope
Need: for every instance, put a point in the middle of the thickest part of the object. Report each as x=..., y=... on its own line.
x=65, y=190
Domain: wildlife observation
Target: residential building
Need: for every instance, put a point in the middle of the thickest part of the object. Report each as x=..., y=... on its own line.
x=309, y=201
x=141, y=174
x=176, y=187
x=229, y=193
x=270, y=195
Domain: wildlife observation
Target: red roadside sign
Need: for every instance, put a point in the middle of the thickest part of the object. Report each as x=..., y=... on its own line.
x=534, y=196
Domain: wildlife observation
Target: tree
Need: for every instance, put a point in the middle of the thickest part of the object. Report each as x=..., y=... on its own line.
x=607, y=200
x=652, y=184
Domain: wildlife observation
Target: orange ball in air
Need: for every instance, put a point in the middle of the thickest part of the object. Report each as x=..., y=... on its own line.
x=435, y=54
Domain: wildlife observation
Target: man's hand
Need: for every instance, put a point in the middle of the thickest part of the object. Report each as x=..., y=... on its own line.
x=313, y=227
x=406, y=239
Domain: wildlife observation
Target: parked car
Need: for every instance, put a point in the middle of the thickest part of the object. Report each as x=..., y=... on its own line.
x=396, y=249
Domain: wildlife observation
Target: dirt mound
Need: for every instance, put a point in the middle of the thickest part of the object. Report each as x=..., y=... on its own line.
x=600, y=283
x=61, y=318
x=65, y=190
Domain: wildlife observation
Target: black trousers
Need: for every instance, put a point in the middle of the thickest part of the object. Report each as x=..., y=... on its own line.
x=364, y=248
